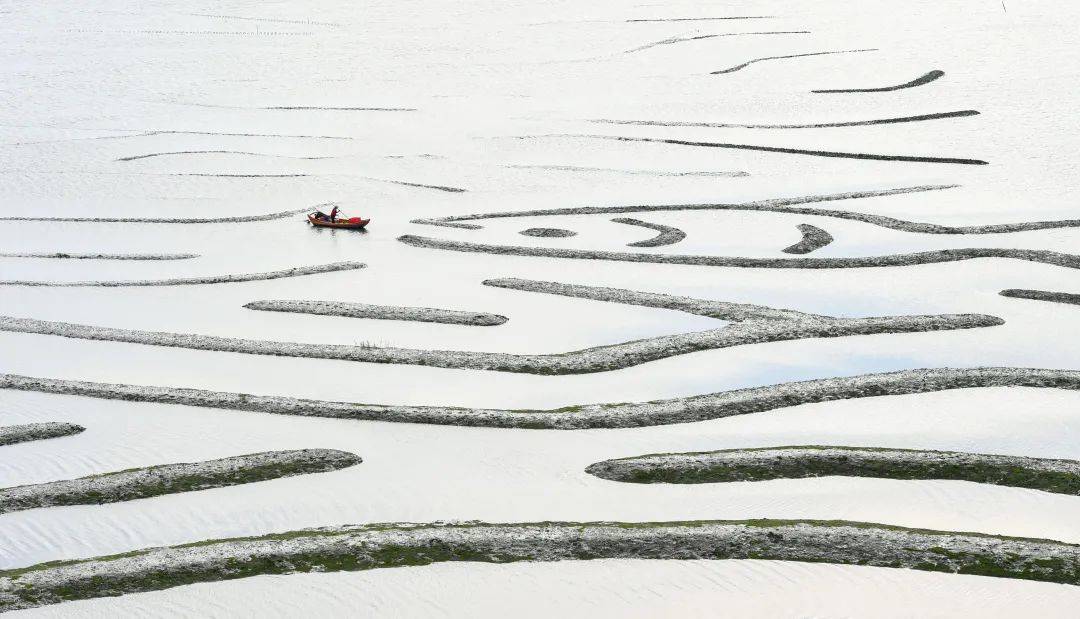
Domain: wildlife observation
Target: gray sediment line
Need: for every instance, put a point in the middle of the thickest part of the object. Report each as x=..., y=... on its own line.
x=419, y=185
x=674, y=40
x=548, y=232
x=755, y=60
x=373, y=546
x=588, y=360
x=191, y=281
x=770, y=149
x=78, y=256
x=340, y=109
x=143, y=134
x=1071, y=261
x=380, y=312
x=1042, y=295
x=574, y=168
x=170, y=220
x=669, y=235
x=919, y=81
x=584, y=416
x=775, y=205
x=164, y=479
x=9, y=435
x=850, y=123
x=209, y=175
x=812, y=238
x=216, y=152
x=662, y=19
x=803, y=461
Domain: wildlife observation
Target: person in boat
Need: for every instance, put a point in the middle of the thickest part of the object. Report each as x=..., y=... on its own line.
x=333, y=214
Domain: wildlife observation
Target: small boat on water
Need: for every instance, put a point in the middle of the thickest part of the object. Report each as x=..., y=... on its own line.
x=320, y=220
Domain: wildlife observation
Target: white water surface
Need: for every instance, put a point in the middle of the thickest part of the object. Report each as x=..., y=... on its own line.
x=85, y=87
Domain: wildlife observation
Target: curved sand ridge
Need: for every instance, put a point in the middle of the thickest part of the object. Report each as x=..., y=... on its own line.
x=919, y=81
x=1042, y=295
x=548, y=232
x=380, y=312
x=797, y=462
x=9, y=435
x=398, y=544
x=609, y=415
x=206, y=279
x=812, y=238
x=669, y=235
x=1071, y=261
x=170, y=220
x=77, y=256
x=172, y=478
x=755, y=60
x=793, y=326
x=776, y=205
x=851, y=123
x=767, y=149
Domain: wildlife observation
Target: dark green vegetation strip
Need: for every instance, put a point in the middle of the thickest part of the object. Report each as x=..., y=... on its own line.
x=608, y=415
x=9, y=435
x=1042, y=295
x=353, y=548
x=153, y=481
x=1058, y=476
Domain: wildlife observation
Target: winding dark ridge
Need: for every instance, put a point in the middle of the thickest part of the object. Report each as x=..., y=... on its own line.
x=850, y=123
x=1042, y=295
x=596, y=359
x=750, y=62
x=78, y=256
x=606, y=415
x=548, y=232
x=164, y=479
x=674, y=40
x=10, y=435
x=772, y=149
x=171, y=220
x=812, y=238
x=190, y=281
x=1071, y=261
x=669, y=235
x=804, y=461
x=364, y=547
x=721, y=310
x=775, y=205
x=380, y=312
x=919, y=81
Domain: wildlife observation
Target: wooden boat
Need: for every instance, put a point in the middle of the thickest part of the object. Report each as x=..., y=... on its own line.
x=353, y=223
